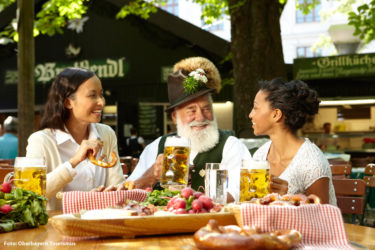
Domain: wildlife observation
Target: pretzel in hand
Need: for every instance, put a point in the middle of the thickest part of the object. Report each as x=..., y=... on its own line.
x=101, y=163
x=217, y=237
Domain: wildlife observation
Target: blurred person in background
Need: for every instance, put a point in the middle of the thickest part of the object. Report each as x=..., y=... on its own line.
x=191, y=108
x=327, y=141
x=9, y=140
x=135, y=144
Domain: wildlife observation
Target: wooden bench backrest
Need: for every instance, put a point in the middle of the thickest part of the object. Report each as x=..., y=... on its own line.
x=350, y=194
x=370, y=169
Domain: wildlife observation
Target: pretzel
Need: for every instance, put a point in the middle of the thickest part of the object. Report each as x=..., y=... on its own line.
x=215, y=237
x=274, y=199
x=129, y=185
x=101, y=163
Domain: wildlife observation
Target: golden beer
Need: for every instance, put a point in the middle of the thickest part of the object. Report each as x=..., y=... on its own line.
x=31, y=178
x=254, y=183
x=175, y=163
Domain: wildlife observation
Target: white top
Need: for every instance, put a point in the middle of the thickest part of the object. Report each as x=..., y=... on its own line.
x=234, y=152
x=140, y=140
x=60, y=173
x=86, y=175
x=307, y=166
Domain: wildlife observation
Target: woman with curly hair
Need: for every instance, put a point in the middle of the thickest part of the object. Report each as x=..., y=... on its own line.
x=296, y=164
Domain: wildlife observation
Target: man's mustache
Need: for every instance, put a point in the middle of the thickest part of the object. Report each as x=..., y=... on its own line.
x=196, y=123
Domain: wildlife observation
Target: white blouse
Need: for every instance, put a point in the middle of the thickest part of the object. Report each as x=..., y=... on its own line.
x=86, y=175
x=307, y=166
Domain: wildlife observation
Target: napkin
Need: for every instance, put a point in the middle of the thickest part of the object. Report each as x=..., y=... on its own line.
x=75, y=201
x=321, y=226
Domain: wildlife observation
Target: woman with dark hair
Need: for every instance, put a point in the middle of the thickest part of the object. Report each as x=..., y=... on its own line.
x=296, y=164
x=69, y=129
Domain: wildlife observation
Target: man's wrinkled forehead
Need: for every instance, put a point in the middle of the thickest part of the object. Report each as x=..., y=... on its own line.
x=202, y=101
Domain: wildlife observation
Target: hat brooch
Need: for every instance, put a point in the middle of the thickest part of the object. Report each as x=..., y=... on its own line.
x=196, y=81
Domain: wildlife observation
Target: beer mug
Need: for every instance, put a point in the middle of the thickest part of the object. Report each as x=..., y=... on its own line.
x=175, y=163
x=254, y=179
x=216, y=182
x=29, y=174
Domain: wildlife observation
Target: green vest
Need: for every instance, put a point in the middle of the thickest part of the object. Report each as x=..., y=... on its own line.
x=212, y=156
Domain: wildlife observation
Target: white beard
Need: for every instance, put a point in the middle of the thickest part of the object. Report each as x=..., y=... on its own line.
x=201, y=140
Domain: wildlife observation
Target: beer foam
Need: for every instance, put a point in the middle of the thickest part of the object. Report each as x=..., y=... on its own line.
x=29, y=162
x=255, y=164
x=177, y=142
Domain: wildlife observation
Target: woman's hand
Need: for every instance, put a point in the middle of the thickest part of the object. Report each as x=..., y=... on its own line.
x=93, y=144
x=102, y=188
x=278, y=185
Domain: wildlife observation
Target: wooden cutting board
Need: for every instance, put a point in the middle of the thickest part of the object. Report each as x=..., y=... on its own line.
x=70, y=225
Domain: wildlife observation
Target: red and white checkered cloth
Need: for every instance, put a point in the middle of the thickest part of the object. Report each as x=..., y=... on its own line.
x=75, y=201
x=321, y=226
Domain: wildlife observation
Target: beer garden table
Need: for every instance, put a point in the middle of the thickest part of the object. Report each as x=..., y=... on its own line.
x=46, y=237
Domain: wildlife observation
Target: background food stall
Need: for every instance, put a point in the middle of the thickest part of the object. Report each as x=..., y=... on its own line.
x=347, y=88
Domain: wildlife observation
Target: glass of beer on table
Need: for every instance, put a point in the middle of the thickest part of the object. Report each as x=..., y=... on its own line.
x=29, y=174
x=254, y=179
x=175, y=163
x=216, y=182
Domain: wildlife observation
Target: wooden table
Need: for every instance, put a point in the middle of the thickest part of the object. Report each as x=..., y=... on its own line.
x=46, y=237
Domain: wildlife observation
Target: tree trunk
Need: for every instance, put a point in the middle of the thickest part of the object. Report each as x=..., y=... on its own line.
x=256, y=54
x=26, y=64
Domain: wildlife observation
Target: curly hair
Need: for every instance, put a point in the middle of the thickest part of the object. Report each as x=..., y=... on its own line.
x=64, y=85
x=295, y=100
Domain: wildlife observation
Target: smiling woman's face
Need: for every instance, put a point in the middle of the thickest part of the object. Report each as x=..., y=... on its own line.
x=87, y=103
x=261, y=115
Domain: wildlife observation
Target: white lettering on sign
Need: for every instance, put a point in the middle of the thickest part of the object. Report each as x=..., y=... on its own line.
x=46, y=72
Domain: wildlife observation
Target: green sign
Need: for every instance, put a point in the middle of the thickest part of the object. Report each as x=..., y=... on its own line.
x=334, y=67
x=46, y=72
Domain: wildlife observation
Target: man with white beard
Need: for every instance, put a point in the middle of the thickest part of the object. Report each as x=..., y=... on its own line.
x=189, y=92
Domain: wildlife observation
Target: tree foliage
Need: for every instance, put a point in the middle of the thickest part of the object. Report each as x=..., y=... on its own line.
x=55, y=14
x=51, y=19
x=364, y=21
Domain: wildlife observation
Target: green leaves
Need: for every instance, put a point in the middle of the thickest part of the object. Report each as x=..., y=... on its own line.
x=5, y=3
x=160, y=197
x=55, y=13
x=7, y=225
x=363, y=21
x=28, y=207
x=140, y=8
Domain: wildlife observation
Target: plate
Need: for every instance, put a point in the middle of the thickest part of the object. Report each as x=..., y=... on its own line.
x=69, y=225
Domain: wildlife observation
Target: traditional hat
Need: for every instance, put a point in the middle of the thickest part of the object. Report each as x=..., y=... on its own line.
x=191, y=78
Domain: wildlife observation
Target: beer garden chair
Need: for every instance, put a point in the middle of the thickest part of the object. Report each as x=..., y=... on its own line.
x=369, y=180
x=350, y=195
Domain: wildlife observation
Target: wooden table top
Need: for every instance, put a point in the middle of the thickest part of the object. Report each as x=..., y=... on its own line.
x=46, y=237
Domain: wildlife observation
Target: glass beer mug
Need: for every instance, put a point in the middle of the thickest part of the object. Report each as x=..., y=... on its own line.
x=29, y=174
x=175, y=163
x=254, y=179
x=216, y=182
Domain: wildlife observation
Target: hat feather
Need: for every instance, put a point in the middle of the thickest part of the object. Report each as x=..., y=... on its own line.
x=212, y=73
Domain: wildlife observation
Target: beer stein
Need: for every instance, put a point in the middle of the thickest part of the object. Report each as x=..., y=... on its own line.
x=254, y=179
x=29, y=174
x=175, y=163
x=216, y=182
